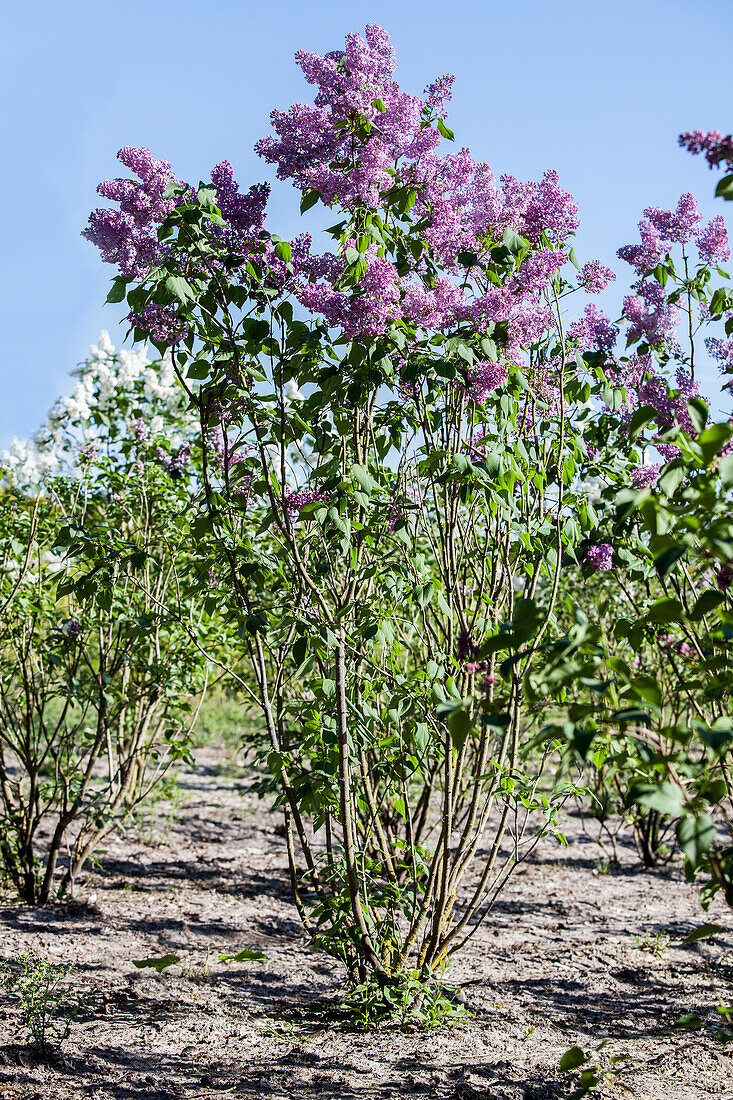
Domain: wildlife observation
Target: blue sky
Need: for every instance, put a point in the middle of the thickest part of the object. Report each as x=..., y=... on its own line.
x=598, y=89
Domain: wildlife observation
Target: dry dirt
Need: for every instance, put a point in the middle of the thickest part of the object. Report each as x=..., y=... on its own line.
x=559, y=962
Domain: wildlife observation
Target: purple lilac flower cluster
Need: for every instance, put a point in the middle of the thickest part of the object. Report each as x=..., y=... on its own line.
x=127, y=237
x=297, y=500
x=245, y=213
x=650, y=388
x=485, y=377
x=724, y=576
x=162, y=324
x=650, y=314
x=176, y=463
x=316, y=152
x=361, y=137
x=594, y=331
x=600, y=557
x=645, y=477
x=464, y=209
x=71, y=629
x=595, y=276
x=717, y=148
x=141, y=430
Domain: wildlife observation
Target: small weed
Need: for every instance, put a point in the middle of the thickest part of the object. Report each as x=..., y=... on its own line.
x=48, y=1007
x=656, y=943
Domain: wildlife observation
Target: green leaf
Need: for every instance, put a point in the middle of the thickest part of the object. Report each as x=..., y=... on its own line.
x=283, y=251
x=310, y=198
x=702, y=932
x=571, y=1059
x=688, y=1020
x=718, y=736
x=664, y=562
x=455, y=715
x=245, y=955
x=672, y=476
x=161, y=963
x=665, y=610
x=713, y=439
x=513, y=241
x=698, y=411
x=300, y=650
x=640, y=419
x=364, y=478
x=665, y=797
x=647, y=688
x=179, y=288
x=724, y=190
x=117, y=290
x=695, y=834
x=443, y=129
x=708, y=601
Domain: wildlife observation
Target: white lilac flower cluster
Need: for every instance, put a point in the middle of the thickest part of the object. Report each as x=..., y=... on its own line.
x=101, y=381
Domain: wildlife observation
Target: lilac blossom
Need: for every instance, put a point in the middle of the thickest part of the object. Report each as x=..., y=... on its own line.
x=650, y=315
x=724, y=576
x=141, y=430
x=595, y=276
x=678, y=226
x=297, y=500
x=161, y=322
x=312, y=151
x=71, y=629
x=483, y=378
x=717, y=148
x=645, y=477
x=722, y=350
x=127, y=237
x=594, y=330
x=176, y=463
x=370, y=310
x=712, y=242
x=600, y=557
x=245, y=213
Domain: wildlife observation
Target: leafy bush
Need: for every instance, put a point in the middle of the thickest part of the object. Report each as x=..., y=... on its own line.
x=96, y=701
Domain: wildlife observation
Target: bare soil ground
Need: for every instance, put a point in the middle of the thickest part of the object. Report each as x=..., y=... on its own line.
x=560, y=961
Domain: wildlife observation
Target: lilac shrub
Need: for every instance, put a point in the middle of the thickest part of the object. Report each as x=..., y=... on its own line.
x=397, y=433
x=98, y=696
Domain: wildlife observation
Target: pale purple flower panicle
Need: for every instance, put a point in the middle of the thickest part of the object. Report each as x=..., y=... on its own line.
x=600, y=557
x=439, y=93
x=678, y=226
x=485, y=377
x=594, y=330
x=71, y=629
x=722, y=350
x=127, y=237
x=141, y=430
x=176, y=463
x=161, y=322
x=296, y=501
x=712, y=242
x=717, y=149
x=595, y=277
x=645, y=477
x=650, y=315
x=311, y=151
x=245, y=213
